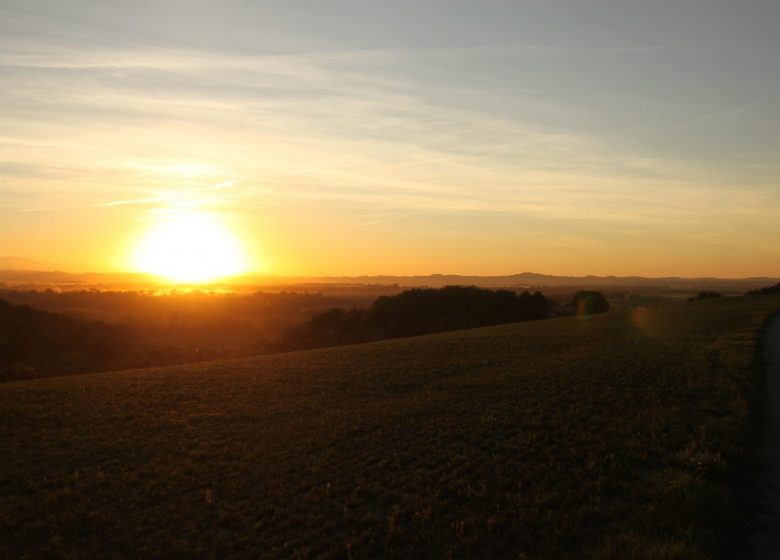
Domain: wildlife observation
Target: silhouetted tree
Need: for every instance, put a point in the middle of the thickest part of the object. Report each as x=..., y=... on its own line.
x=768, y=290
x=586, y=302
x=417, y=311
x=329, y=328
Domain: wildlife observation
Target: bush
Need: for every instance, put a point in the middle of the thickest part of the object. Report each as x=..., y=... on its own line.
x=586, y=302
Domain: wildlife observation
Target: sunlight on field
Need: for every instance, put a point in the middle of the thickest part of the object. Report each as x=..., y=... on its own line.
x=190, y=247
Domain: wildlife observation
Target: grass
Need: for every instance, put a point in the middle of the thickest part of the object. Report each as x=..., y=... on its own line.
x=597, y=437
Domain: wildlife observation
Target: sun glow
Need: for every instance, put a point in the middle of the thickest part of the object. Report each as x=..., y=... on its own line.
x=191, y=247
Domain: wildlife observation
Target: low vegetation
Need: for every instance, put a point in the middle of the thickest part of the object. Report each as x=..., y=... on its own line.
x=599, y=436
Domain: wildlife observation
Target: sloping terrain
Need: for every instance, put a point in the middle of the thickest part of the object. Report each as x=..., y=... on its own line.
x=765, y=490
x=603, y=436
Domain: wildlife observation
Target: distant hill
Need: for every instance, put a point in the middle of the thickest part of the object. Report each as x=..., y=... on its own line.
x=23, y=263
x=34, y=277
x=17, y=277
x=532, y=279
x=37, y=343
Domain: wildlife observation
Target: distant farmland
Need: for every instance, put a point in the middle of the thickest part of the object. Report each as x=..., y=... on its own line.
x=601, y=437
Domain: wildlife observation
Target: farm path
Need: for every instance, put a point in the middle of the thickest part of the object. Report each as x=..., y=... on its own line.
x=768, y=535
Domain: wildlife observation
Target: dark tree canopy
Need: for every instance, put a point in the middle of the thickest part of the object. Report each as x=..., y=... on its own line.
x=768, y=290
x=418, y=311
x=587, y=302
x=424, y=310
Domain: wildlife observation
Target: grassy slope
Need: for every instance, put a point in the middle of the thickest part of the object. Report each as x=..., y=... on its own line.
x=600, y=436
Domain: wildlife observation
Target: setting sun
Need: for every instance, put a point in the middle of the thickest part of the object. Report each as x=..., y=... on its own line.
x=363, y=279
x=190, y=247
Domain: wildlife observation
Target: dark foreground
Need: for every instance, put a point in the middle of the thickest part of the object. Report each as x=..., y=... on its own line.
x=766, y=495
x=596, y=437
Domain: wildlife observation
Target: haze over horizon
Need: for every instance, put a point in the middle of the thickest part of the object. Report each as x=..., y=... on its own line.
x=16, y=269
x=464, y=137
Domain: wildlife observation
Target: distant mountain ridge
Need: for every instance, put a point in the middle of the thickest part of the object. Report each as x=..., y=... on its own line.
x=16, y=277
x=533, y=279
x=23, y=263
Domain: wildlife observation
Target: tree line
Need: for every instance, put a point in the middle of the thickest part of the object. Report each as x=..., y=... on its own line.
x=768, y=290
x=415, y=312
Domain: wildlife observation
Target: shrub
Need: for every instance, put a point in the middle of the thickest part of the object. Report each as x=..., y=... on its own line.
x=586, y=302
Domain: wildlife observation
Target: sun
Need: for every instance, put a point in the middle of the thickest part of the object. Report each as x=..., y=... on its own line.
x=190, y=247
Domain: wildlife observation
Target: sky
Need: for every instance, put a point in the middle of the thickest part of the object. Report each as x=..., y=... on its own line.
x=405, y=137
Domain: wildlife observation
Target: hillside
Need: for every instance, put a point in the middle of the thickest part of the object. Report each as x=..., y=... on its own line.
x=35, y=343
x=602, y=436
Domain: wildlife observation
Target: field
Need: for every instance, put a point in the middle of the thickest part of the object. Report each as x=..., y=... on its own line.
x=611, y=436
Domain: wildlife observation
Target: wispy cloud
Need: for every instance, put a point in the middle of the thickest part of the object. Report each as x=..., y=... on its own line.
x=139, y=129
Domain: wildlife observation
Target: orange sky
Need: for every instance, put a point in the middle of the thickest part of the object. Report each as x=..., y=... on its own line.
x=562, y=139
